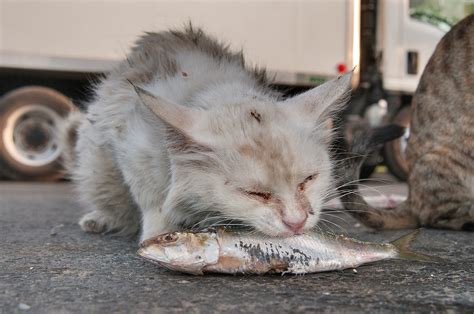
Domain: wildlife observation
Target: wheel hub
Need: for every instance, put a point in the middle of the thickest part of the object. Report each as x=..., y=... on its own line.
x=30, y=135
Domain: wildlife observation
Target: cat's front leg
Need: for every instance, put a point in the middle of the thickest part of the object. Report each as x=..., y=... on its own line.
x=154, y=223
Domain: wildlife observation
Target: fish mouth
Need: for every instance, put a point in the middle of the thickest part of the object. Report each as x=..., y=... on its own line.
x=154, y=257
x=159, y=257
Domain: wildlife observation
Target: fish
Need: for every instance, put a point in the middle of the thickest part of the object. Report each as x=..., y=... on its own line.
x=233, y=252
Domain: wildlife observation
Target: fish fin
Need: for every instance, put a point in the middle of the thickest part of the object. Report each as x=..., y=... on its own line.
x=402, y=245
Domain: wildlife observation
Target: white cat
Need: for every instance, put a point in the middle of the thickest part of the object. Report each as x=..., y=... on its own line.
x=182, y=135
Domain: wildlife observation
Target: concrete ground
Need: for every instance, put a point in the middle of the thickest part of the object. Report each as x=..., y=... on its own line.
x=48, y=265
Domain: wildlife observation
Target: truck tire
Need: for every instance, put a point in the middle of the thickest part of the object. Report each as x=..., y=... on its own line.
x=394, y=151
x=29, y=147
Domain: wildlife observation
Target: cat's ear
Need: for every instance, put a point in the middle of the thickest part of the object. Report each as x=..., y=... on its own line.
x=322, y=102
x=184, y=132
x=177, y=116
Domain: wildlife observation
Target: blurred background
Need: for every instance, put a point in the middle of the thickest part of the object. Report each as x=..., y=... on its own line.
x=52, y=51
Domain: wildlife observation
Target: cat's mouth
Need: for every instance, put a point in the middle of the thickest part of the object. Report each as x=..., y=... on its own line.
x=277, y=227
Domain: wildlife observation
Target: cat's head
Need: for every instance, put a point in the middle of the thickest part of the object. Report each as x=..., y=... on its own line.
x=259, y=161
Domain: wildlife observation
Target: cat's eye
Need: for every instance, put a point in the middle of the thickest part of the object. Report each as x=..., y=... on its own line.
x=258, y=194
x=308, y=179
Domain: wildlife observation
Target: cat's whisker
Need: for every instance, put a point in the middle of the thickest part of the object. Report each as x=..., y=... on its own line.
x=326, y=226
x=334, y=216
x=330, y=223
x=356, y=203
x=333, y=223
x=319, y=228
x=374, y=212
x=358, y=181
x=327, y=201
x=365, y=188
x=201, y=222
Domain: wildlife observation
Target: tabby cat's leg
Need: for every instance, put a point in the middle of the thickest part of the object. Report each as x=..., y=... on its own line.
x=102, y=190
x=438, y=192
x=461, y=218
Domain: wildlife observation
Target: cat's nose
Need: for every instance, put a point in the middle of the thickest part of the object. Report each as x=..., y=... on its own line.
x=295, y=225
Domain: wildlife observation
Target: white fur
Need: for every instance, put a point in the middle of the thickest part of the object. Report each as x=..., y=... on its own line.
x=127, y=169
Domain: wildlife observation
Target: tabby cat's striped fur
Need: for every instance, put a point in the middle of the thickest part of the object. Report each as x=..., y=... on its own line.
x=440, y=151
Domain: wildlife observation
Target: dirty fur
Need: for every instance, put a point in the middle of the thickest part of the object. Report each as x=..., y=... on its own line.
x=183, y=134
x=440, y=150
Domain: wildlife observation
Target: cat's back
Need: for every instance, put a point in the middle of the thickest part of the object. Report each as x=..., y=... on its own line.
x=156, y=54
x=176, y=63
x=443, y=105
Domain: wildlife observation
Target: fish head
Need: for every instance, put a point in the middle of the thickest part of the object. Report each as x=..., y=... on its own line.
x=187, y=252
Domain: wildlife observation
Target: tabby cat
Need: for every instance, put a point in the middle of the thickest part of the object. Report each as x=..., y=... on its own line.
x=440, y=151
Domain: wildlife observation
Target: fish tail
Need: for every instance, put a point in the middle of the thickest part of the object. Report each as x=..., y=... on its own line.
x=402, y=245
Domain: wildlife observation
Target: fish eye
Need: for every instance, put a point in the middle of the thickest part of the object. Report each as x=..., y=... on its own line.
x=170, y=237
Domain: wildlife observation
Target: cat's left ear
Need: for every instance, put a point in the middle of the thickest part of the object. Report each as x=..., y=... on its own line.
x=175, y=115
x=183, y=122
x=319, y=104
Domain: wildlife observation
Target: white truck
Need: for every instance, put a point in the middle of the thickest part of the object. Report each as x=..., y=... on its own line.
x=50, y=51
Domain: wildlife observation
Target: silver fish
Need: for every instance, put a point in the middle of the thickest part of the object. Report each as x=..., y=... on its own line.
x=230, y=252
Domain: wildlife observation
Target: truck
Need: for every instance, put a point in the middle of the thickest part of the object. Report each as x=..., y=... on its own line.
x=52, y=52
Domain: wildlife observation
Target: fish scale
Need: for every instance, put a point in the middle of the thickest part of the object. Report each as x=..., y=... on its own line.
x=231, y=252
x=303, y=253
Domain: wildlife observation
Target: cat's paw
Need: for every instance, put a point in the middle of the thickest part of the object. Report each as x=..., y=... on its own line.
x=94, y=222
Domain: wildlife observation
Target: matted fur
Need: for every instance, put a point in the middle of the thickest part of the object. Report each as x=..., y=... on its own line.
x=183, y=134
x=154, y=53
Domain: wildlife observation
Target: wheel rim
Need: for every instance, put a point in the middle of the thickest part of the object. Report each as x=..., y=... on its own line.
x=30, y=135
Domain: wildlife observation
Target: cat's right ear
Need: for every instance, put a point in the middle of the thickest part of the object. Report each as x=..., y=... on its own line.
x=179, y=117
